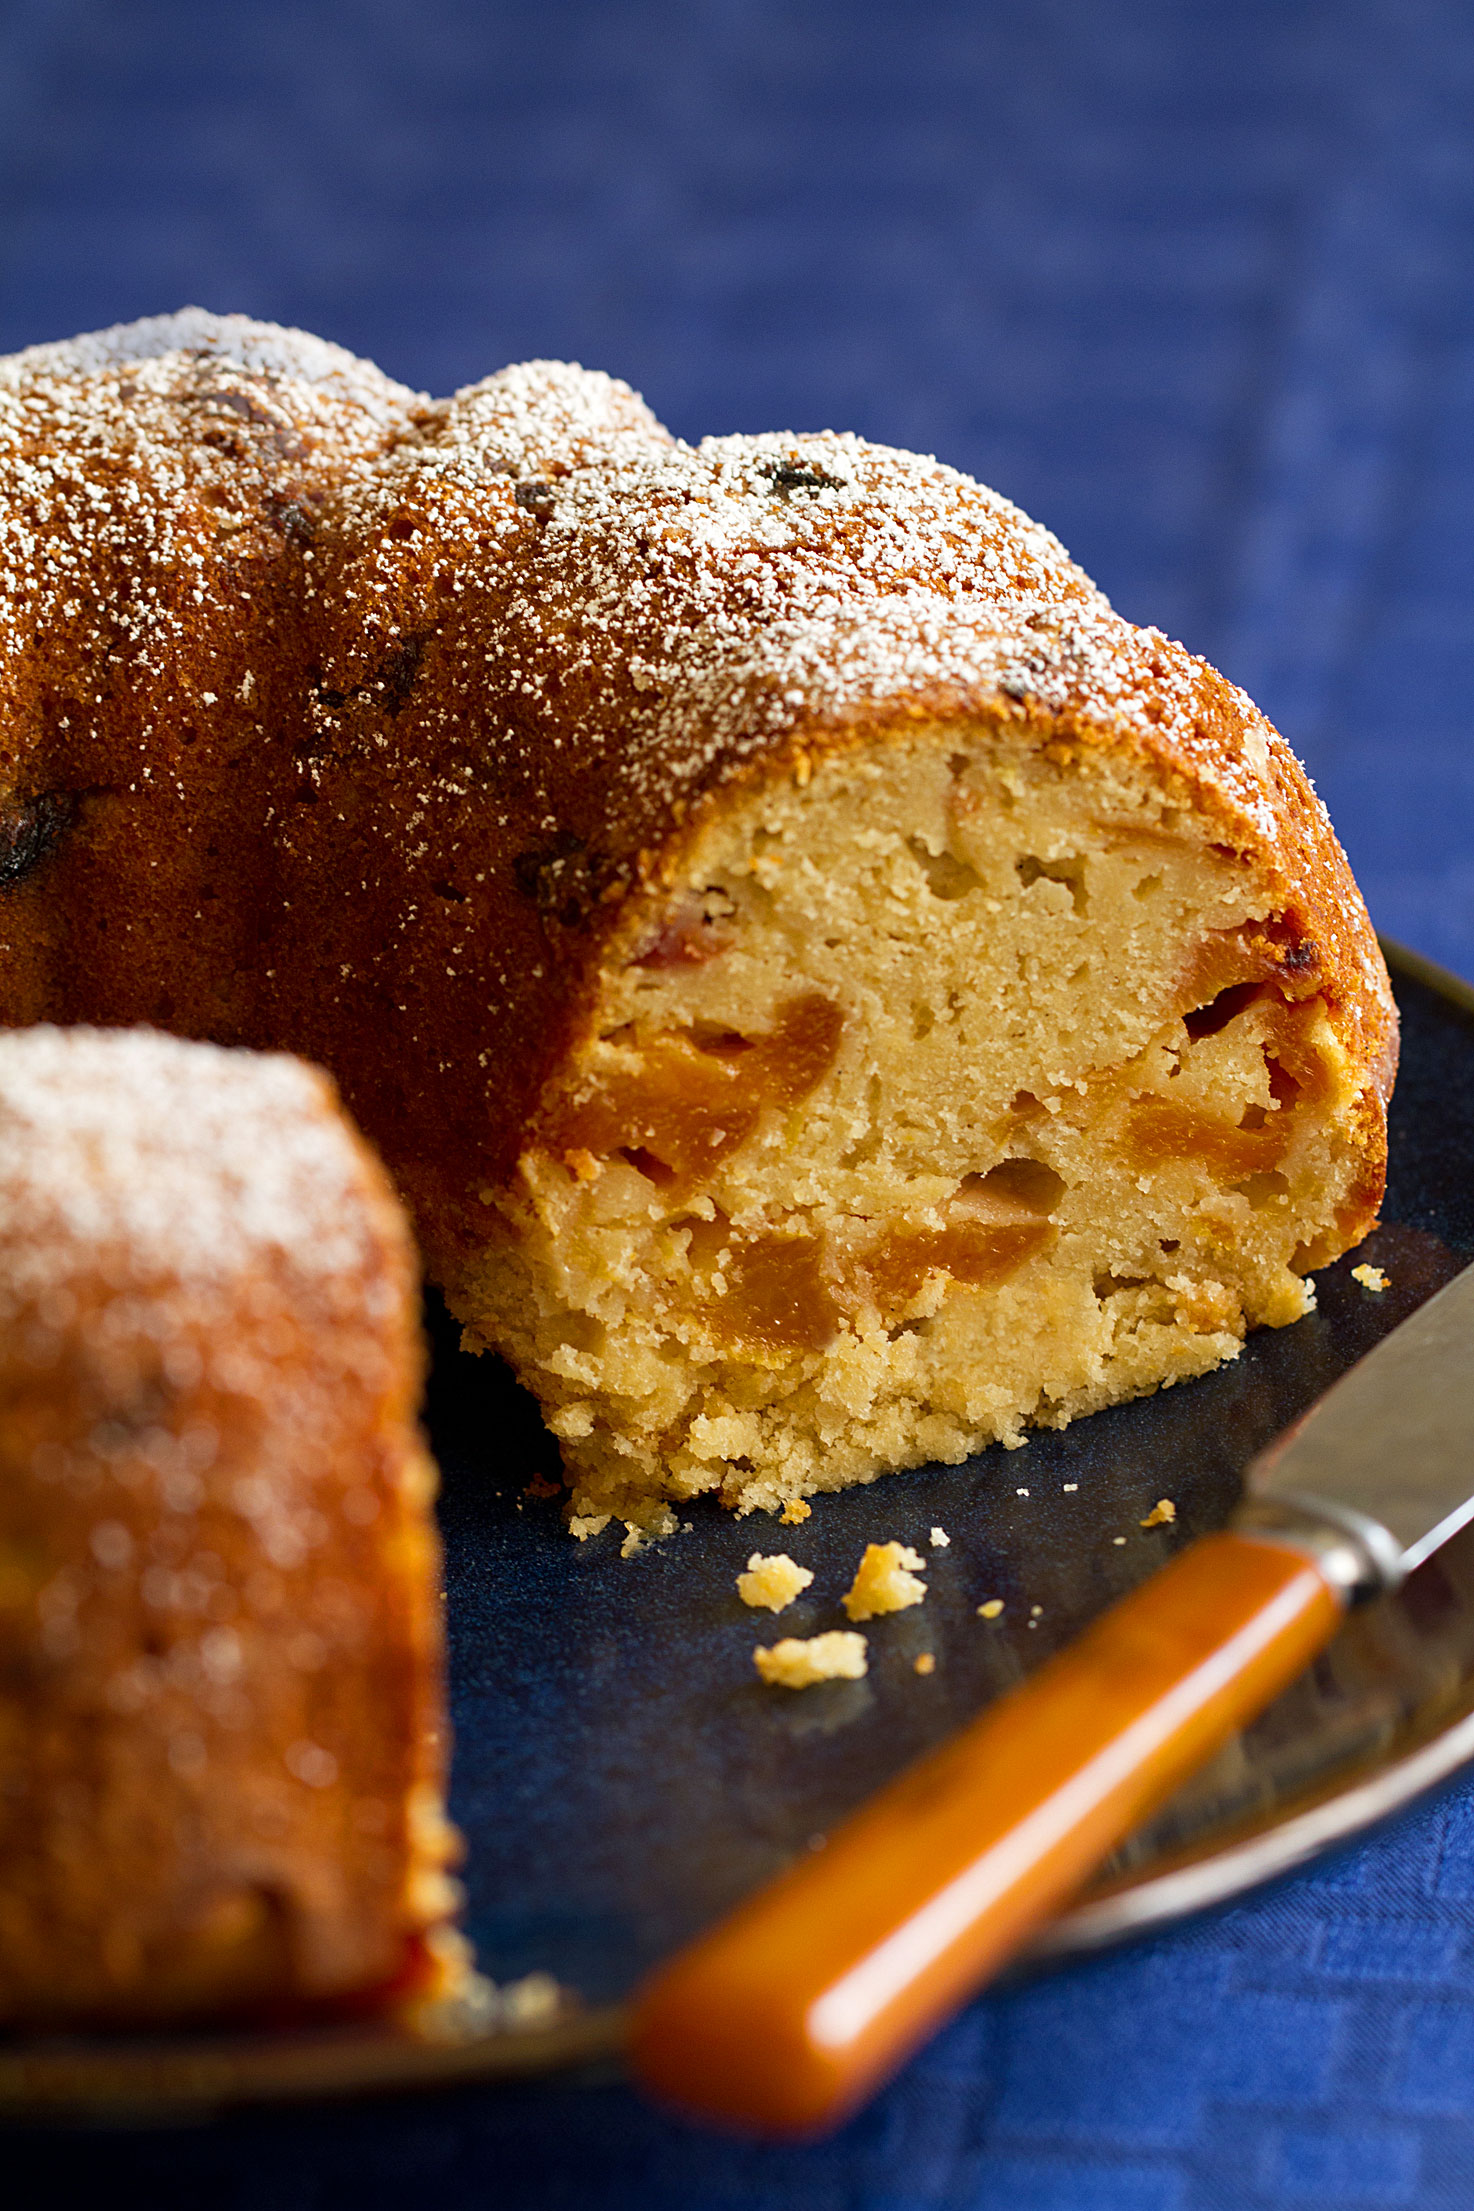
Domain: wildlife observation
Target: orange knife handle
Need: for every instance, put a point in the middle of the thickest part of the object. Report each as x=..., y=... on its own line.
x=785, y=2016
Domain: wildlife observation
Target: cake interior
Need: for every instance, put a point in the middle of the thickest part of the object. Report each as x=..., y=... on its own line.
x=950, y=1087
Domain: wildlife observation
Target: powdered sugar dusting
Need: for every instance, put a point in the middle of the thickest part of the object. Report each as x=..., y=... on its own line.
x=669, y=611
x=151, y=473
x=681, y=609
x=527, y=627
x=263, y=348
x=543, y=417
x=198, y=1163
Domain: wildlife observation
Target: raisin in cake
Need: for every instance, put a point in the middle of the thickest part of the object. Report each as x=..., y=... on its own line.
x=831, y=991
x=221, y=1729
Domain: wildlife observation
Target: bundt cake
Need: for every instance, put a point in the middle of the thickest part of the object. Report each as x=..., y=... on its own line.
x=831, y=992
x=221, y=1734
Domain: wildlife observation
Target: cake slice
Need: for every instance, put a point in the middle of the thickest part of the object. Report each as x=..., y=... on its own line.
x=222, y=1741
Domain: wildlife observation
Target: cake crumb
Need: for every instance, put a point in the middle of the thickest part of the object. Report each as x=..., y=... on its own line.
x=798, y=1661
x=1118, y=1539
x=655, y=1522
x=773, y=1582
x=885, y=1581
x=585, y=1524
x=534, y=2001
x=1070, y=1488
x=991, y=1609
x=1162, y=1513
x=797, y=1509
x=1370, y=1278
x=582, y=1165
x=924, y=1663
x=940, y=1540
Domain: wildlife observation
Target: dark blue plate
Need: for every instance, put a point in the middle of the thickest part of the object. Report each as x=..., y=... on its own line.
x=622, y=1777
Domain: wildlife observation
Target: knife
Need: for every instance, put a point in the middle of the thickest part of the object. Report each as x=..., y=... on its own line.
x=783, y=2018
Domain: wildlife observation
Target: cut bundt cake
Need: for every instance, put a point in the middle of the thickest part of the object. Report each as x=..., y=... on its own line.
x=831, y=991
x=221, y=1729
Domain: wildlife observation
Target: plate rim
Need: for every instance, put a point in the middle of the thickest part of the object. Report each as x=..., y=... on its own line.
x=168, y=2079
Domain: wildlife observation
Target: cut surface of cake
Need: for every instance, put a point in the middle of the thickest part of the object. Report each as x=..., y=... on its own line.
x=222, y=1740
x=831, y=992
x=996, y=1097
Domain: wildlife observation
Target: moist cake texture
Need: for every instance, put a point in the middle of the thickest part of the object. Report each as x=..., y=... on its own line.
x=222, y=1740
x=831, y=992
x=773, y=1582
x=797, y=1662
x=887, y=1579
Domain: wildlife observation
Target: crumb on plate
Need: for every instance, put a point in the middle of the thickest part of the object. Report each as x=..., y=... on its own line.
x=991, y=1609
x=798, y=1661
x=796, y=1509
x=940, y=1539
x=924, y=1663
x=1162, y=1512
x=1370, y=1278
x=773, y=1582
x=885, y=1581
x=534, y=2001
x=655, y=1521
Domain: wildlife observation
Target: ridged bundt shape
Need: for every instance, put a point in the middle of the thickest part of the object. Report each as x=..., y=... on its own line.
x=719, y=878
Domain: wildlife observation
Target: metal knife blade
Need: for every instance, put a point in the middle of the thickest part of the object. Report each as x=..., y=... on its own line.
x=1388, y=1452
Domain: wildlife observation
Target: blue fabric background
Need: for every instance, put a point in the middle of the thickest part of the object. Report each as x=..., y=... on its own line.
x=1194, y=283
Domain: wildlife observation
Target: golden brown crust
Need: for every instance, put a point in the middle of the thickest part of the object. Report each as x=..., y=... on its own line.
x=516, y=647
x=221, y=1722
x=155, y=522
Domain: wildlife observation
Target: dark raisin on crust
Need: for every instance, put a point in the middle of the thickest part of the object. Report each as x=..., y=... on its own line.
x=397, y=676
x=531, y=867
x=29, y=829
x=280, y=438
x=789, y=476
x=390, y=686
x=294, y=518
x=549, y=874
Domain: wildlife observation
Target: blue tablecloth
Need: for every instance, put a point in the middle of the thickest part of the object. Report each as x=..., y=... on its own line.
x=1195, y=284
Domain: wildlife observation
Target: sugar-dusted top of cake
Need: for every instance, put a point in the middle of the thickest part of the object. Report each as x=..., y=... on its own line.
x=196, y=1162
x=264, y=348
x=714, y=601
x=605, y=623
